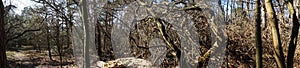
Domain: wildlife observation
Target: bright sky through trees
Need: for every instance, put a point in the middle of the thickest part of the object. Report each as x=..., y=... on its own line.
x=20, y=4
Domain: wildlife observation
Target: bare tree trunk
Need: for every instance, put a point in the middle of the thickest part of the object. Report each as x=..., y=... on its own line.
x=98, y=37
x=48, y=42
x=295, y=31
x=231, y=8
x=85, y=34
x=58, y=39
x=58, y=45
x=222, y=8
x=258, y=54
x=69, y=24
x=3, y=62
x=278, y=53
x=227, y=12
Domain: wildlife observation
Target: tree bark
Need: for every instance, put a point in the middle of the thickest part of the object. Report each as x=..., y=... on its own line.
x=69, y=24
x=3, y=61
x=48, y=42
x=278, y=53
x=258, y=54
x=295, y=31
x=58, y=44
x=85, y=34
x=58, y=39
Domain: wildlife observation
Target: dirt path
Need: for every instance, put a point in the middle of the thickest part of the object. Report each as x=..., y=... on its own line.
x=20, y=56
x=35, y=59
x=19, y=60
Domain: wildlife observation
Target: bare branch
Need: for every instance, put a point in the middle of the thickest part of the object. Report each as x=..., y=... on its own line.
x=24, y=32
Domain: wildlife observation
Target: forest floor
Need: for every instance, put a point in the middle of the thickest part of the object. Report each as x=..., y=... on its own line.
x=28, y=57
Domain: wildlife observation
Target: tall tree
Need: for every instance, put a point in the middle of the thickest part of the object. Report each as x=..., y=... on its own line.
x=69, y=22
x=58, y=44
x=3, y=63
x=295, y=31
x=278, y=53
x=48, y=41
x=258, y=35
x=85, y=34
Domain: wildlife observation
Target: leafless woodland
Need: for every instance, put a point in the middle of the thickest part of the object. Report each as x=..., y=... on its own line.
x=151, y=33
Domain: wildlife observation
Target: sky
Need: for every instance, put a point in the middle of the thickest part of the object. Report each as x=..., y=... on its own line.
x=20, y=4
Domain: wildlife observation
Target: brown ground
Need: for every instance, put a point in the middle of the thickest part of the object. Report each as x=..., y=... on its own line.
x=27, y=57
